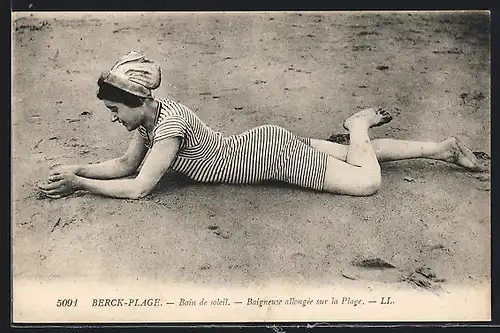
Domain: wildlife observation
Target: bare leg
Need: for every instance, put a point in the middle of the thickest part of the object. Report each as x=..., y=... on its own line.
x=360, y=173
x=386, y=150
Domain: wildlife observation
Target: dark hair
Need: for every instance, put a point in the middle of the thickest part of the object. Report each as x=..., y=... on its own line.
x=114, y=94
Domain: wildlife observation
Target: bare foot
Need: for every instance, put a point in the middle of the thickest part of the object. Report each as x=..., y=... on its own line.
x=456, y=153
x=371, y=117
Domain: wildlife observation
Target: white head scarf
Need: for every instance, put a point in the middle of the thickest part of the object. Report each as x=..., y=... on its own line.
x=135, y=74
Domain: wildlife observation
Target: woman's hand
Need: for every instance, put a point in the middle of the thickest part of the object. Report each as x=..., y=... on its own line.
x=62, y=169
x=59, y=185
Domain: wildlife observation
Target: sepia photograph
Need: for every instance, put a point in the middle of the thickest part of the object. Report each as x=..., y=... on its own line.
x=306, y=166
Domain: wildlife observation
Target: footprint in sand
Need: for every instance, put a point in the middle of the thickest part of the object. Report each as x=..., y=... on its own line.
x=372, y=269
x=219, y=232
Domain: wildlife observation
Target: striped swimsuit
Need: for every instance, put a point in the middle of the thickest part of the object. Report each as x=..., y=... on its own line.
x=264, y=153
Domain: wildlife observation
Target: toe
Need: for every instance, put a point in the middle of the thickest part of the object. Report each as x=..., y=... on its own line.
x=468, y=160
x=386, y=115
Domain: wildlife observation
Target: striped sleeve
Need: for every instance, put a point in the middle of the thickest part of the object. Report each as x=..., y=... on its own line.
x=169, y=127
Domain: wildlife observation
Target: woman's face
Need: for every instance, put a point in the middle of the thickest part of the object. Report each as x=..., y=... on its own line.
x=129, y=117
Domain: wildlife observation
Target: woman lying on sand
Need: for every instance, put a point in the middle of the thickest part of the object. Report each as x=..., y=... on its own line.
x=178, y=140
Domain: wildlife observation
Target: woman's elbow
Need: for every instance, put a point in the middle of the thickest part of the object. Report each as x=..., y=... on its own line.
x=140, y=192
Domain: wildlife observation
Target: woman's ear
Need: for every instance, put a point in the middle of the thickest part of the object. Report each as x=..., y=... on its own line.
x=147, y=100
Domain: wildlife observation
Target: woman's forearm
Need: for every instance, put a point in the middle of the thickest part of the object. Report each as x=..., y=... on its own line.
x=117, y=188
x=115, y=168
